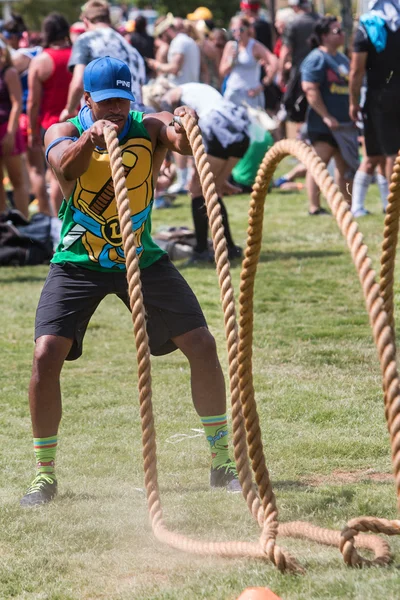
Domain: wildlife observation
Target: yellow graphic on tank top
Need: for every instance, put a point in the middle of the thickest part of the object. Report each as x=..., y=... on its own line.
x=94, y=207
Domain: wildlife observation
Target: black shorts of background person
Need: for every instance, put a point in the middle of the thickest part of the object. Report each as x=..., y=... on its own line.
x=222, y=160
x=381, y=119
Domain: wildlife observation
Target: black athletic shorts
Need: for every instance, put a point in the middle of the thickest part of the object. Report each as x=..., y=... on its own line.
x=236, y=150
x=71, y=294
x=381, y=118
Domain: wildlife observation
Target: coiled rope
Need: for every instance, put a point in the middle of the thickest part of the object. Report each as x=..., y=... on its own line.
x=245, y=423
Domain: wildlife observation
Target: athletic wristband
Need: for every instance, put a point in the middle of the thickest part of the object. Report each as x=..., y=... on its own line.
x=58, y=141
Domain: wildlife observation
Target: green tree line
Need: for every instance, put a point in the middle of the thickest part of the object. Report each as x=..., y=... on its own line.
x=34, y=11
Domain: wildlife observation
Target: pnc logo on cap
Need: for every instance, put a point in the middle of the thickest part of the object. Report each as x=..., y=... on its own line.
x=106, y=78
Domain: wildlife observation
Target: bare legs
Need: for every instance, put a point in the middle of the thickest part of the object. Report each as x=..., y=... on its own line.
x=326, y=152
x=207, y=380
x=14, y=166
x=44, y=387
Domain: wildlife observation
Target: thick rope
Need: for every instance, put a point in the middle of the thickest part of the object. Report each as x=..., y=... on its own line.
x=234, y=549
x=239, y=354
x=381, y=326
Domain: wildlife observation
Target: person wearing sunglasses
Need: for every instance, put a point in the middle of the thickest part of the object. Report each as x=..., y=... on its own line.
x=325, y=81
x=241, y=64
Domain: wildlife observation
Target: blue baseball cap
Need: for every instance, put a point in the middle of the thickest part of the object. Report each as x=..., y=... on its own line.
x=106, y=78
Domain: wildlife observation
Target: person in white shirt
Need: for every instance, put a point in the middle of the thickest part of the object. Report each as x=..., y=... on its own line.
x=101, y=40
x=184, y=58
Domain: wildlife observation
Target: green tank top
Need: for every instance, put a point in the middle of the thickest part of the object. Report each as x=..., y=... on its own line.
x=90, y=233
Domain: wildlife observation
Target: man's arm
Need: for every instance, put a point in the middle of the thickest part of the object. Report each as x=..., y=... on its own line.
x=75, y=93
x=357, y=71
x=70, y=159
x=170, y=67
x=163, y=133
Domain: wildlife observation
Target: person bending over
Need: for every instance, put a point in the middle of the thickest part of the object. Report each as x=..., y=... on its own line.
x=224, y=127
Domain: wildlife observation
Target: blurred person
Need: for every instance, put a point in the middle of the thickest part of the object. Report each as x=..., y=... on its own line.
x=48, y=82
x=183, y=66
x=11, y=141
x=294, y=49
x=325, y=75
x=89, y=264
x=13, y=31
x=166, y=176
x=76, y=30
x=218, y=39
x=283, y=18
x=210, y=54
x=100, y=40
x=376, y=48
x=34, y=165
x=161, y=42
x=224, y=128
x=241, y=61
x=262, y=28
x=143, y=42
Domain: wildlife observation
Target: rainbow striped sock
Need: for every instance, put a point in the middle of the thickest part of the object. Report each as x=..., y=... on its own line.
x=45, y=454
x=216, y=430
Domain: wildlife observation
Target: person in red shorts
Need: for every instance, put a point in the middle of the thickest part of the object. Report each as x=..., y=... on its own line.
x=48, y=83
x=11, y=141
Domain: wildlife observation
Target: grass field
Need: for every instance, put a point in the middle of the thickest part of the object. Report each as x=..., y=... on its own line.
x=319, y=396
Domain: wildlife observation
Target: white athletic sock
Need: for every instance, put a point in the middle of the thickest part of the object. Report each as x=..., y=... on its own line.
x=180, y=183
x=361, y=183
x=383, y=189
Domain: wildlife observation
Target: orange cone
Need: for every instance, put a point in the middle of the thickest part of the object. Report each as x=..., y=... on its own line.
x=258, y=593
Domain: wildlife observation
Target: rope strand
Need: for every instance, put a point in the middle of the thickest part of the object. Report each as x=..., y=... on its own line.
x=245, y=421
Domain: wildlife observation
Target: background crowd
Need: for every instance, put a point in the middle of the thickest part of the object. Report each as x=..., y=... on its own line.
x=247, y=79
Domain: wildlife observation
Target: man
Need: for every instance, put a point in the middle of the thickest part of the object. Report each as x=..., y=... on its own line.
x=296, y=47
x=89, y=263
x=376, y=51
x=182, y=66
x=100, y=40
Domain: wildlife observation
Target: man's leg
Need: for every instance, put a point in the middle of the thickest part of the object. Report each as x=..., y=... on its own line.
x=45, y=407
x=207, y=380
x=209, y=399
x=362, y=181
x=325, y=152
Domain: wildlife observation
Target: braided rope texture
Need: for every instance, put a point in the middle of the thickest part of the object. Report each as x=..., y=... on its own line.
x=382, y=327
x=245, y=420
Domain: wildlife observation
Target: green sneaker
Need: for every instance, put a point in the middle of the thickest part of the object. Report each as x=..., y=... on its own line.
x=225, y=476
x=42, y=490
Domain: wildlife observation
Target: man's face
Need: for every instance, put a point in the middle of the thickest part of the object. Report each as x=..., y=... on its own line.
x=115, y=110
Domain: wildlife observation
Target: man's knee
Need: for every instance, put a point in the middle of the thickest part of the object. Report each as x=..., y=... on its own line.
x=50, y=354
x=198, y=344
